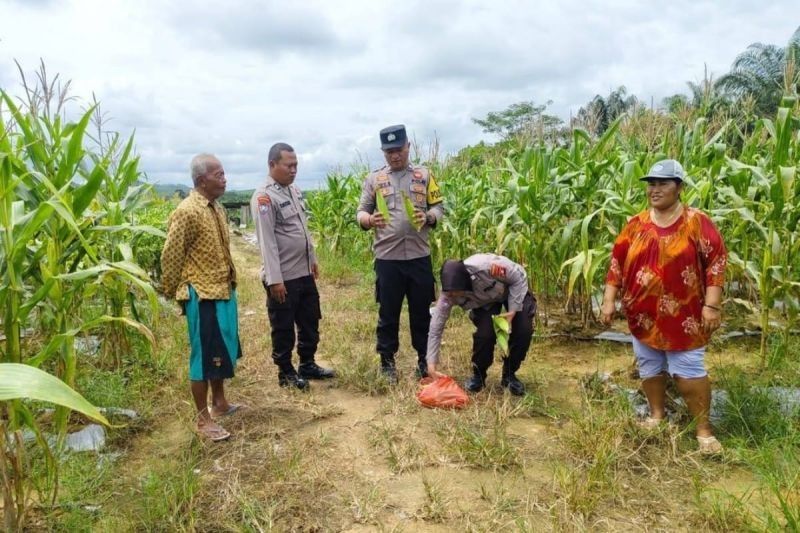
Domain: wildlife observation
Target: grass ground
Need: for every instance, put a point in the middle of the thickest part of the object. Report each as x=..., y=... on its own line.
x=356, y=455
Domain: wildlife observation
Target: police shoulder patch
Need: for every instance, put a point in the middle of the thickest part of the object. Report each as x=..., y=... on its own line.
x=264, y=202
x=496, y=270
x=434, y=194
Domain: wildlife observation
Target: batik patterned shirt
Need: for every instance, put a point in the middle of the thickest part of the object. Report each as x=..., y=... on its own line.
x=663, y=274
x=197, y=251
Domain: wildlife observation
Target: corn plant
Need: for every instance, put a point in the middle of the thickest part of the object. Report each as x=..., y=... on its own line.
x=333, y=214
x=56, y=262
x=19, y=382
x=556, y=209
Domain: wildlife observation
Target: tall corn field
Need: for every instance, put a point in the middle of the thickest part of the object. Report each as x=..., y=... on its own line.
x=557, y=209
x=67, y=267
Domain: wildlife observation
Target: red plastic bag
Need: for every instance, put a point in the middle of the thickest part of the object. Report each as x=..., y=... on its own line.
x=441, y=392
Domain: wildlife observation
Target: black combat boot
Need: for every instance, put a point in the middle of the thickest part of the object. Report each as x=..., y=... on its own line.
x=288, y=377
x=388, y=368
x=477, y=382
x=510, y=381
x=311, y=370
x=422, y=367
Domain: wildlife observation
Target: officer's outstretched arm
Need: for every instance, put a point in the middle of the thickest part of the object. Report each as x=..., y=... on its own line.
x=438, y=320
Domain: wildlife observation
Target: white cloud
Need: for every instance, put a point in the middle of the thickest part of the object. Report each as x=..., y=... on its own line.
x=232, y=78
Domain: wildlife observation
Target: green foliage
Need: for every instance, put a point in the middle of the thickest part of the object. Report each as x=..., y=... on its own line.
x=166, y=496
x=333, y=215
x=521, y=119
x=557, y=209
x=147, y=245
x=751, y=415
x=764, y=73
x=242, y=196
x=501, y=331
x=66, y=265
x=480, y=438
x=383, y=209
x=598, y=115
x=169, y=191
x=19, y=381
x=104, y=387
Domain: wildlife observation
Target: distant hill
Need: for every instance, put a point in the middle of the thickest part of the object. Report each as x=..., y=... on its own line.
x=237, y=196
x=168, y=190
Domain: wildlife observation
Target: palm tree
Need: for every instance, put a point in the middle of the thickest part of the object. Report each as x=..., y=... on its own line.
x=765, y=72
x=600, y=112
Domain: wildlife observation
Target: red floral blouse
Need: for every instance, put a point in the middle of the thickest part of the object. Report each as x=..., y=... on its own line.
x=663, y=273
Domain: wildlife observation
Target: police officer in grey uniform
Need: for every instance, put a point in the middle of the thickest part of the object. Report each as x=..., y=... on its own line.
x=289, y=271
x=483, y=284
x=402, y=255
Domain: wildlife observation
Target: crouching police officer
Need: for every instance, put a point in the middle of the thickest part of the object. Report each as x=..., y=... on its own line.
x=483, y=284
x=289, y=271
x=402, y=255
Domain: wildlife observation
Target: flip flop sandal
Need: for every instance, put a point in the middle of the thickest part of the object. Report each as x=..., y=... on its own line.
x=232, y=408
x=709, y=445
x=213, y=432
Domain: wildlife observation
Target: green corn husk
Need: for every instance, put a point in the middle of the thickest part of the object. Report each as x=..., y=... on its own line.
x=501, y=331
x=380, y=203
x=410, y=212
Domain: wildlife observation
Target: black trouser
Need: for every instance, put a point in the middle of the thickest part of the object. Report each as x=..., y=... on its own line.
x=395, y=280
x=301, y=308
x=483, y=339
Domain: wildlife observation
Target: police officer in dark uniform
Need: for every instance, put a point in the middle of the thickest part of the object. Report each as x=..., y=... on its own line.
x=483, y=284
x=290, y=270
x=402, y=254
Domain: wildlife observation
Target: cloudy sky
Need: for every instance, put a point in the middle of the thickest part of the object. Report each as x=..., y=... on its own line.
x=233, y=77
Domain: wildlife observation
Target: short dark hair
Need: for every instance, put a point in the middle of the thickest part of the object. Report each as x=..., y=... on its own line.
x=275, y=152
x=455, y=276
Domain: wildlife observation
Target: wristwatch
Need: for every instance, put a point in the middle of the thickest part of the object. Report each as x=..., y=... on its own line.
x=430, y=219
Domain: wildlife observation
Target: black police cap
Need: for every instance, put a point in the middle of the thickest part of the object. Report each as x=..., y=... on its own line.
x=393, y=137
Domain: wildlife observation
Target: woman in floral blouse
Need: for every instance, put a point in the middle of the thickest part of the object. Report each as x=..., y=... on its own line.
x=669, y=262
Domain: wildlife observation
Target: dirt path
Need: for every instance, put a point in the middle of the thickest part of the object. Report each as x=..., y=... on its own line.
x=350, y=455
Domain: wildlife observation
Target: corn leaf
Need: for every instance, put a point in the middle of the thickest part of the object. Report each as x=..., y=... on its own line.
x=18, y=381
x=410, y=212
x=501, y=324
x=380, y=203
x=501, y=331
